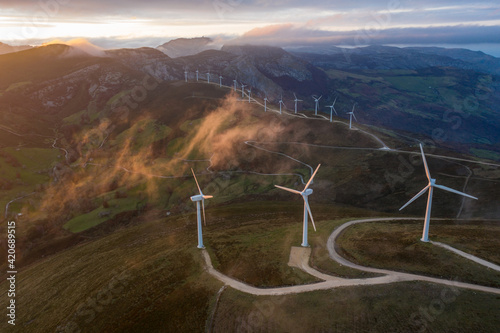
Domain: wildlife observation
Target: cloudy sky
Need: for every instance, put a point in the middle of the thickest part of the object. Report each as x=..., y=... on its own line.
x=127, y=23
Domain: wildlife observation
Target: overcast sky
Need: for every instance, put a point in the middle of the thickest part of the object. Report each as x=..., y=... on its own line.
x=127, y=23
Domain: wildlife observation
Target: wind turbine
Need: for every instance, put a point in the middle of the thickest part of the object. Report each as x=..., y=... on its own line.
x=281, y=103
x=316, y=101
x=243, y=90
x=197, y=198
x=235, y=83
x=351, y=114
x=307, y=210
x=220, y=81
x=249, y=94
x=208, y=77
x=296, y=100
x=332, y=108
x=432, y=184
x=197, y=75
x=265, y=104
x=186, y=75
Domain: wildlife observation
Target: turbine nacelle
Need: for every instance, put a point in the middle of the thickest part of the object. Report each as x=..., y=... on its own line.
x=307, y=192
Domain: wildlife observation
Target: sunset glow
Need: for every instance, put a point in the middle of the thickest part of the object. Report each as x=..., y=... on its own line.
x=125, y=24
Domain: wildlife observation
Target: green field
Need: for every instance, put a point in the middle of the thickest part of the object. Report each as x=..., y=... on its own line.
x=396, y=246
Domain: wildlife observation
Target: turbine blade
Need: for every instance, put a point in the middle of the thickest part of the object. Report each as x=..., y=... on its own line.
x=199, y=189
x=416, y=197
x=294, y=95
x=208, y=196
x=454, y=191
x=310, y=179
x=354, y=116
x=320, y=97
x=204, y=219
x=310, y=214
x=427, y=172
x=335, y=100
x=288, y=189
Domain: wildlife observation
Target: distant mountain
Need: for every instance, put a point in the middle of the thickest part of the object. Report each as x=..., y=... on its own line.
x=182, y=47
x=5, y=48
x=387, y=57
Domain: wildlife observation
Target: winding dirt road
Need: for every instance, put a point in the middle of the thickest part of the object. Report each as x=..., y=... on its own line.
x=300, y=258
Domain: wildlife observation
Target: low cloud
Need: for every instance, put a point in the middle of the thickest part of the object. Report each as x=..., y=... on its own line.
x=293, y=35
x=82, y=45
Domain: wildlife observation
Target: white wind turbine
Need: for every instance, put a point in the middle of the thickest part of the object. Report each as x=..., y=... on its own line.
x=316, y=105
x=307, y=210
x=235, y=83
x=243, y=90
x=197, y=198
x=281, y=103
x=332, y=108
x=220, y=81
x=249, y=94
x=186, y=75
x=208, y=77
x=296, y=100
x=197, y=72
x=432, y=184
x=265, y=104
x=351, y=114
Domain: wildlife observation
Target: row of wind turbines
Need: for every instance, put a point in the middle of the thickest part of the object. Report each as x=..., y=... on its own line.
x=306, y=192
x=280, y=102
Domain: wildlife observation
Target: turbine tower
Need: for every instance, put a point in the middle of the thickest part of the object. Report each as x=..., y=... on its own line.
x=208, y=77
x=185, y=75
x=197, y=72
x=220, y=81
x=281, y=103
x=307, y=210
x=332, y=108
x=351, y=114
x=316, y=105
x=265, y=104
x=197, y=198
x=235, y=83
x=296, y=100
x=249, y=94
x=243, y=90
x=432, y=184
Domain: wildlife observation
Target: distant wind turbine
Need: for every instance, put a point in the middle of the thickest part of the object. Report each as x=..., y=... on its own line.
x=249, y=94
x=316, y=105
x=281, y=103
x=186, y=75
x=208, y=77
x=235, y=83
x=197, y=198
x=432, y=184
x=243, y=90
x=296, y=100
x=332, y=108
x=351, y=114
x=307, y=210
x=197, y=72
x=265, y=104
x=220, y=81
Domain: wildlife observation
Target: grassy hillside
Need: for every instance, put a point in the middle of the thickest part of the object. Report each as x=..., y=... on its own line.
x=150, y=277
